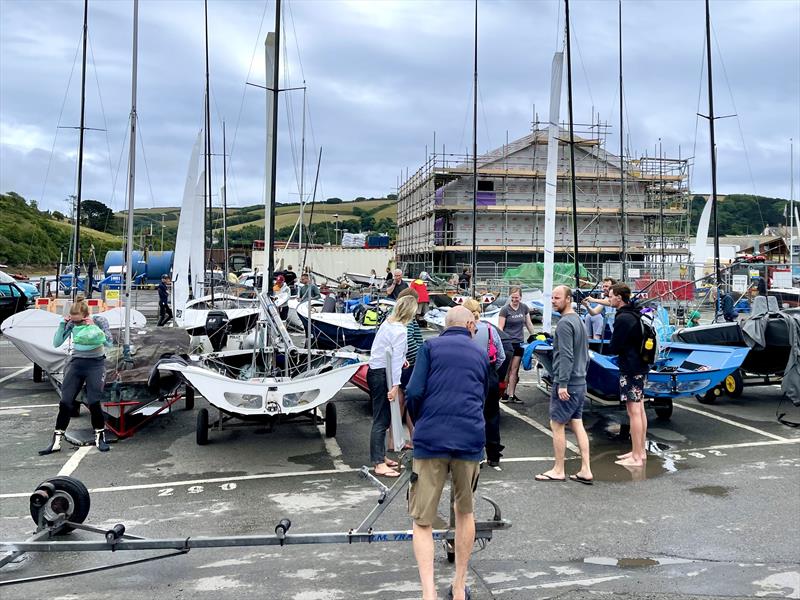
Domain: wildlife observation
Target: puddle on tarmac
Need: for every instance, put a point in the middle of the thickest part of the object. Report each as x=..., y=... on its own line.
x=634, y=563
x=607, y=444
x=718, y=491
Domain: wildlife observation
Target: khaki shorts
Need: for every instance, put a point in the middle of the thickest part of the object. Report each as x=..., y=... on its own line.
x=425, y=493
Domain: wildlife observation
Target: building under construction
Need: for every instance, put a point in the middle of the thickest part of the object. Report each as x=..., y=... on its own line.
x=435, y=204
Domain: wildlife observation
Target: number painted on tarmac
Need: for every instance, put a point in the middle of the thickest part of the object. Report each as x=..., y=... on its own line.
x=166, y=492
x=697, y=454
x=717, y=453
x=228, y=486
x=195, y=489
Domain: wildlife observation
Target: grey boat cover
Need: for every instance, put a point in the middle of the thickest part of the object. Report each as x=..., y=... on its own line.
x=791, y=376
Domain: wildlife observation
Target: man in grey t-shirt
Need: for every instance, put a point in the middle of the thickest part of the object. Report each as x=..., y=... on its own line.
x=568, y=392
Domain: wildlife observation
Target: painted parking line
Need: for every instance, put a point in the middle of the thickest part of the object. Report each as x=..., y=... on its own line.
x=74, y=460
x=15, y=373
x=334, y=450
x=560, y=584
x=729, y=421
x=536, y=425
x=27, y=406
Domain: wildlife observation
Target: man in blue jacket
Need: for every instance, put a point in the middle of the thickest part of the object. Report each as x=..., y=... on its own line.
x=164, y=310
x=445, y=400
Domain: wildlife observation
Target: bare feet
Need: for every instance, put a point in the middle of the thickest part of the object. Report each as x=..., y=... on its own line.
x=630, y=462
x=627, y=455
x=381, y=470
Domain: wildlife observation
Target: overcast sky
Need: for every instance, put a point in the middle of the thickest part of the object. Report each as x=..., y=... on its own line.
x=382, y=77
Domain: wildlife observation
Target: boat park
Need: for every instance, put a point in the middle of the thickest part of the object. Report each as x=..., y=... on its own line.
x=239, y=426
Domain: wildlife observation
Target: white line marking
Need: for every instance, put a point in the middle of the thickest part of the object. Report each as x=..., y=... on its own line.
x=729, y=422
x=74, y=460
x=536, y=425
x=744, y=445
x=528, y=459
x=559, y=584
x=334, y=450
x=23, y=406
x=15, y=373
x=187, y=482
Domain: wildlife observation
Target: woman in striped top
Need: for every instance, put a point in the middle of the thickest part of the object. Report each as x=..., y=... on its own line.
x=413, y=343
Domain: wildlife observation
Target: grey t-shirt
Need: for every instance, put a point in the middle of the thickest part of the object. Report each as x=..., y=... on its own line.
x=570, y=352
x=515, y=321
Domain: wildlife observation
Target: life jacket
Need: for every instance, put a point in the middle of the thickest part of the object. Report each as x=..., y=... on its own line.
x=492, y=349
x=422, y=290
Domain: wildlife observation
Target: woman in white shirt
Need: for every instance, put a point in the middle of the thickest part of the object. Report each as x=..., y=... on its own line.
x=391, y=337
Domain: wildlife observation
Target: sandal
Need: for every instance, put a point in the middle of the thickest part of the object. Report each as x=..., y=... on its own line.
x=390, y=473
x=392, y=464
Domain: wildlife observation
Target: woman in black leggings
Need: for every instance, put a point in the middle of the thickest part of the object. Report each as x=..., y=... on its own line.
x=85, y=366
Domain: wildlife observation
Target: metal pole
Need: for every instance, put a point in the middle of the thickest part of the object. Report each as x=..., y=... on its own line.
x=572, y=153
x=126, y=346
x=717, y=271
x=274, y=166
x=621, y=154
x=661, y=207
x=792, y=224
x=475, y=160
x=76, y=255
x=207, y=181
x=225, y=202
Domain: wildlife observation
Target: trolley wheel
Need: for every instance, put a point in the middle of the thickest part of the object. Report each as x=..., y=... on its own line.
x=664, y=410
x=330, y=420
x=202, y=427
x=70, y=498
x=189, y=397
x=710, y=397
x=734, y=384
x=37, y=373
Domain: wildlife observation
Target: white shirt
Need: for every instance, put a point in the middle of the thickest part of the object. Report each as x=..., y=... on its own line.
x=391, y=337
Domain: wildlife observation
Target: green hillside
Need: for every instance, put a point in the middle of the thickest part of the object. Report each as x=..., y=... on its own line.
x=32, y=238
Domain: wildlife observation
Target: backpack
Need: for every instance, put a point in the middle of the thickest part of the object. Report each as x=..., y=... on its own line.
x=649, y=349
x=88, y=336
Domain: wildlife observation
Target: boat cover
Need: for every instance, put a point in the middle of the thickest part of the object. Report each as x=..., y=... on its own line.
x=791, y=376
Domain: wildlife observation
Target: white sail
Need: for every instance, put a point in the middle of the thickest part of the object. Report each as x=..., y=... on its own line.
x=197, y=249
x=701, y=247
x=551, y=187
x=183, y=242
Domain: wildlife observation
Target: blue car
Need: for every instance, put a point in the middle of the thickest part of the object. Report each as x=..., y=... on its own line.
x=31, y=291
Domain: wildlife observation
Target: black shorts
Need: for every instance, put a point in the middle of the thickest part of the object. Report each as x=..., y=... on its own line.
x=405, y=376
x=631, y=387
x=518, y=351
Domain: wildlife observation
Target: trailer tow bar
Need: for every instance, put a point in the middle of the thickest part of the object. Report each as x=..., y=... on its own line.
x=61, y=504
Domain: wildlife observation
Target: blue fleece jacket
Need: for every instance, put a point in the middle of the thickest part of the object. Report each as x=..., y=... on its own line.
x=445, y=397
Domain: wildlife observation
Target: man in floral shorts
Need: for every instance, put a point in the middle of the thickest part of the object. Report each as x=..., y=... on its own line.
x=626, y=342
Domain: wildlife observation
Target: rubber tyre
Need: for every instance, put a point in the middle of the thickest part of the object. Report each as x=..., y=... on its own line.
x=37, y=373
x=710, y=397
x=189, y=397
x=202, y=427
x=80, y=497
x=664, y=411
x=734, y=384
x=330, y=420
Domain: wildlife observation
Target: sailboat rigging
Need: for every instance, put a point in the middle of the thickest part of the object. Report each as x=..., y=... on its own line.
x=475, y=159
x=572, y=153
x=76, y=253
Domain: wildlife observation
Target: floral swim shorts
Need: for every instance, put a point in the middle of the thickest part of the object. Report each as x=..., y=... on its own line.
x=631, y=387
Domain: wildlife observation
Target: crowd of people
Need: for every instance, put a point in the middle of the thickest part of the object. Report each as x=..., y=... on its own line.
x=451, y=387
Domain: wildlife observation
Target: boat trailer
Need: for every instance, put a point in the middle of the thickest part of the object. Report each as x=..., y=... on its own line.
x=61, y=504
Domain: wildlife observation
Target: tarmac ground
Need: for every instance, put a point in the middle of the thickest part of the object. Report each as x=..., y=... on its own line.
x=715, y=513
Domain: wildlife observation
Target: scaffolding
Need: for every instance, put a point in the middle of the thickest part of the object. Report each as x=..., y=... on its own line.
x=434, y=206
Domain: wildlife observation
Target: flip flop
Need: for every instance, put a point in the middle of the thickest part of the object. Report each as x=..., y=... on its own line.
x=391, y=474
x=582, y=480
x=467, y=594
x=392, y=464
x=547, y=478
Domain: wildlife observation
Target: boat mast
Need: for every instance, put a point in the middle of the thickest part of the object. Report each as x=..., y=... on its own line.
x=717, y=272
x=792, y=223
x=76, y=254
x=207, y=181
x=225, y=202
x=126, y=346
x=272, y=150
x=475, y=159
x=621, y=154
x=572, y=153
